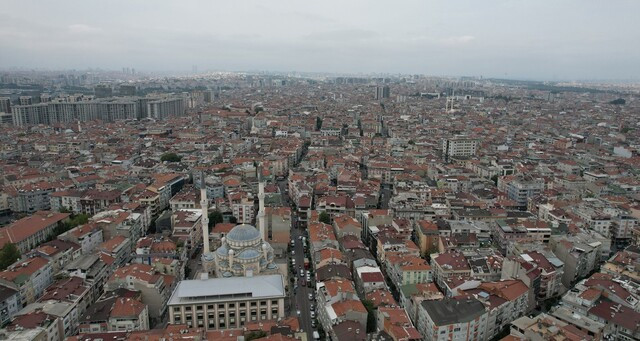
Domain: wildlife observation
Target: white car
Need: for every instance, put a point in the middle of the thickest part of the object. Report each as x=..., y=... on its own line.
x=313, y=314
x=308, y=278
x=301, y=273
x=298, y=312
x=310, y=297
x=293, y=252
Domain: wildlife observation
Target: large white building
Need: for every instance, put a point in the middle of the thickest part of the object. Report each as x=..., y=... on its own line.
x=166, y=107
x=459, y=145
x=225, y=303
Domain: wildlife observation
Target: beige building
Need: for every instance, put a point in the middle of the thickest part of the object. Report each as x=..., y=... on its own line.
x=227, y=303
x=278, y=228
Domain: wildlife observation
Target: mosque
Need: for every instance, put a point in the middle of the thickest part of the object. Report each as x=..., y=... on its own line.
x=243, y=251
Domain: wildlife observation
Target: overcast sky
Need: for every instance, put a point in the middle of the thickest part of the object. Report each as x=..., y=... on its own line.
x=533, y=39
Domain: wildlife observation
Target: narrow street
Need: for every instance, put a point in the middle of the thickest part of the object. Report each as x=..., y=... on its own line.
x=300, y=301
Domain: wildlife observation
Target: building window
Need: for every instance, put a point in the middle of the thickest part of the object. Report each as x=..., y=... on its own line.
x=210, y=306
x=220, y=306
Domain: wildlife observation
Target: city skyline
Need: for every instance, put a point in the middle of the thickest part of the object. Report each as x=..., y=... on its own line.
x=524, y=40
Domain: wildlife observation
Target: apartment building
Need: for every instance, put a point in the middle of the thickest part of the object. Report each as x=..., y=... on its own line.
x=452, y=319
x=459, y=145
x=30, y=277
x=31, y=231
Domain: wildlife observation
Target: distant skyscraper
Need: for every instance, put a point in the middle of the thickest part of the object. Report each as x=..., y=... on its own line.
x=5, y=104
x=382, y=92
x=127, y=90
x=103, y=90
x=26, y=100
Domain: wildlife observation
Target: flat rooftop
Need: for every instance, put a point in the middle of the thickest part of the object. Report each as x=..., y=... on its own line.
x=225, y=289
x=452, y=311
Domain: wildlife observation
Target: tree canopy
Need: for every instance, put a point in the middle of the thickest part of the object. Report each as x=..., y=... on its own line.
x=324, y=218
x=170, y=157
x=9, y=254
x=215, y=217
x=74, y=221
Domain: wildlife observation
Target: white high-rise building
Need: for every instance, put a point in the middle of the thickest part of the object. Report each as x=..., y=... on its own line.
x=459, y=145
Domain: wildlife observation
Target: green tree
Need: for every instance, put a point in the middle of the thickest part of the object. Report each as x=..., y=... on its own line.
x=324, y=218
x=170, y=157
x=215, y=217
x=8, y=255
x=233, y=220
x=74, y=221
x=371, y=315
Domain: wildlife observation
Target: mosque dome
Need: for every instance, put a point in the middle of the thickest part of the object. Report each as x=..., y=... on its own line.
x=248, y=254
x=222, y=250
x=243, y=233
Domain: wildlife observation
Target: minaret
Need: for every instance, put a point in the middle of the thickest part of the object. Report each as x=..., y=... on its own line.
x=261, y=212
x=204, y=205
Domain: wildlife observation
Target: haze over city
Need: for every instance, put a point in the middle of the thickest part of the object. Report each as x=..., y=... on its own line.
x=540, y=40
x=310, y=171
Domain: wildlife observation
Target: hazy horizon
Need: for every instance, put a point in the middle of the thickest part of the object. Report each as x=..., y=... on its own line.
x=533, y=40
